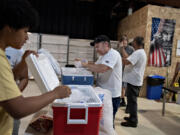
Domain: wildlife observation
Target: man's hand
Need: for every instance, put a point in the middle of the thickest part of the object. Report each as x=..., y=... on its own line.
x=84, y=64
x=125, y=61
x=77, y=63
x=121, y=48
x=27, y=53
x=77, y=59
x=62, y=91
x=80, y=62
x=120, y=45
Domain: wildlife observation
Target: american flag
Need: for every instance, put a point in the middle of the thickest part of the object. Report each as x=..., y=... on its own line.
x=157, y=56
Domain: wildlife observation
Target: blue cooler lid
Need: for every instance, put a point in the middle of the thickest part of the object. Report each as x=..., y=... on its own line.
x=157, y=76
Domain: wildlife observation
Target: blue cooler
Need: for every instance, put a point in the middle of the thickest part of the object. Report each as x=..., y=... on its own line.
x=154, y=86
x=76, y=76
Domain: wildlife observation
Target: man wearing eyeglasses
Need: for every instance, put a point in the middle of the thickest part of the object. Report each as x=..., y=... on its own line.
x=109, y=69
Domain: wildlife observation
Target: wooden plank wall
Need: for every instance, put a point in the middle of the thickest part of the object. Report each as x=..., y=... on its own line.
x=32, y=43
x=80, y=48
x=139, y=24
x=134, y=24
x=57, y=46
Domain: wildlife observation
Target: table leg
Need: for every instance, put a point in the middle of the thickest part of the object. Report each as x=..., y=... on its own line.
x=164, y=102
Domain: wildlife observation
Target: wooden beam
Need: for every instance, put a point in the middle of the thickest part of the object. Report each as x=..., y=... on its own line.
x=173, y=3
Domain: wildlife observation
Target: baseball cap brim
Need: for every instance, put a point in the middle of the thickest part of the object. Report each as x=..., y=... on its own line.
x=100, y=38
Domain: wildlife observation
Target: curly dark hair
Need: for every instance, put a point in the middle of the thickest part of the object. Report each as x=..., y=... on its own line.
x=17, y=14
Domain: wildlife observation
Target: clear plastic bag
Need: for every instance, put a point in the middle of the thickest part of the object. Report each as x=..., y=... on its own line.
x=106, y=122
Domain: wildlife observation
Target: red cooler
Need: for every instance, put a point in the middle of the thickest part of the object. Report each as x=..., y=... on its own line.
x=79, y=116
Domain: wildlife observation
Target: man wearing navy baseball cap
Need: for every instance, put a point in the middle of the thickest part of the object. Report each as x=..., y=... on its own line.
x=109, y=69
x=100, y=38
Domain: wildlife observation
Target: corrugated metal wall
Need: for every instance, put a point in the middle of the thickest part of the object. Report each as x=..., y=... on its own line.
x=75, y=18
x=65, y=17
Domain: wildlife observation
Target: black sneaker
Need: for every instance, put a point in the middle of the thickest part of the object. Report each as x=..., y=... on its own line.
x=127, y=110
x=122, y=104
x=127, y=118
x=129, y=124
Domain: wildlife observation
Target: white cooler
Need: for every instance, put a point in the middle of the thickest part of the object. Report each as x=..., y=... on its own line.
x=43, y=72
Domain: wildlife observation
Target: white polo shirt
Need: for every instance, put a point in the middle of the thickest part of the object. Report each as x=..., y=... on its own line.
x=134, y=72
x=112, y=79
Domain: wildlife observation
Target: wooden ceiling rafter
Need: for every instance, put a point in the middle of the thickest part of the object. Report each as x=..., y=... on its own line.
x=173, y=3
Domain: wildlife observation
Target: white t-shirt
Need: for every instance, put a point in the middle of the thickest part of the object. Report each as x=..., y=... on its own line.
x=112, y=79
x=134, y=72
x=14, y=55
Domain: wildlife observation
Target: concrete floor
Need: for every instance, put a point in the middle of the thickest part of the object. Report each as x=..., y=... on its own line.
x=151, y=122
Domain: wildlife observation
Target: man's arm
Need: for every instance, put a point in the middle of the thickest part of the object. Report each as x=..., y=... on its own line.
x=22, y=76
x=23, y=106
x=126, y=61
x=124, y=55
x=22, y=83
x=21, y=69
x=122, y=50
x=98, y=68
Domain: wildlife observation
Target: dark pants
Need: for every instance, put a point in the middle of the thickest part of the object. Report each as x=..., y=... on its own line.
x=16, y=127
x=116, y=103
x=132, y=94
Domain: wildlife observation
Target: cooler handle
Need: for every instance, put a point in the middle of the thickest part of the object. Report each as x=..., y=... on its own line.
x=85, y=79
x=77, y=121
